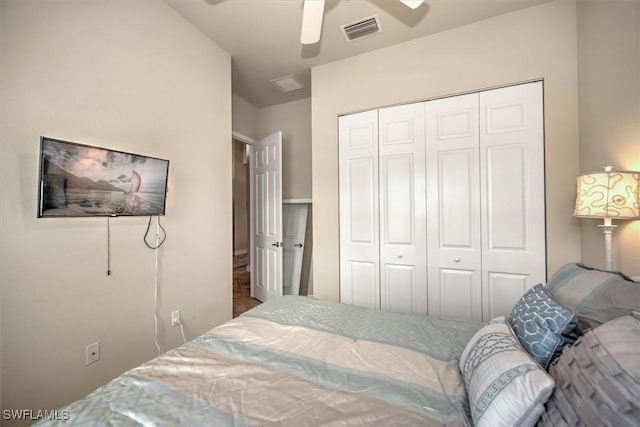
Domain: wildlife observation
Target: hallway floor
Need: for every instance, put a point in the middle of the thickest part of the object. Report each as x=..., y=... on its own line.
x=242, y=300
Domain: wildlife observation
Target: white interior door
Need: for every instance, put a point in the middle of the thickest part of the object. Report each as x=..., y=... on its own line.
x=453, y=203
x=266, y=217
x=359, y=225
x=513, y=203
x=294, y=225
x=403, y=245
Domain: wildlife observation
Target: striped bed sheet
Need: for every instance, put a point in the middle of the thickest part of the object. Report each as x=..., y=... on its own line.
x=300, y=362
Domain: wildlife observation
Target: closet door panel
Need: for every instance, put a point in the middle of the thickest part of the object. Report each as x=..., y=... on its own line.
x=513, y=202
x=398, y=204
x=362, y=290
x=459, y=290
x=503, y=291
x=455, y=172
x=402, y=208
x=506, y=197
x=362, y=201
x=399, y=296
x=359, y=218
x=453, y=206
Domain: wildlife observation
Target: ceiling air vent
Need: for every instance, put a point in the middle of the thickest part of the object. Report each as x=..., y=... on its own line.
x=287, y=83
x=362, y=28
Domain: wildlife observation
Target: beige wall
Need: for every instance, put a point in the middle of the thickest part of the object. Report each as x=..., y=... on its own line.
x=294, y=120
x=609, y=84
x=245, y=117
x=538, y=42
x=129, y=75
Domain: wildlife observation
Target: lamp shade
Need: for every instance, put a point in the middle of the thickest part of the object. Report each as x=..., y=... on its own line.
x=608, y=195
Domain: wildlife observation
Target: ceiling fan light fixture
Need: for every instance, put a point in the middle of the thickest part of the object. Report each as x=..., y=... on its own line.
x=312, y=15
x=287, y=83
x=413, y=4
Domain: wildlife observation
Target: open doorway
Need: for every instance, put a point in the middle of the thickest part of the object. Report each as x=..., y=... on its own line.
x=278, y=238
x=242, y=300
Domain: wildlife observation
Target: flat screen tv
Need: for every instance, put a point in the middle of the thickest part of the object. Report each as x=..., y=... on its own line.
x=80, y=180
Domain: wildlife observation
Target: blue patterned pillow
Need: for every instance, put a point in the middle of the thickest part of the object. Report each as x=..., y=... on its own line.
x=542, y=325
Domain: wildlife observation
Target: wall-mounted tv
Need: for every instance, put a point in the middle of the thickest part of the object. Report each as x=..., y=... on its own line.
x=81, y=180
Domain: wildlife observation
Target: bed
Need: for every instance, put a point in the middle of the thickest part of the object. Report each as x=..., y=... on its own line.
x=304, y=362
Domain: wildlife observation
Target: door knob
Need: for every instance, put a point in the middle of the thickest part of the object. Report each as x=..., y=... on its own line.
x=276, y=244
x=298, y=245
x=456, y=260
x=400, y=255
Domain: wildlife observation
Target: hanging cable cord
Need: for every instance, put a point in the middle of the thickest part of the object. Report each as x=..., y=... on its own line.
x=155, y=247
x=184, y=339
x=108, y=247
x=158, y=228
x=158, y=243
x=155, y=278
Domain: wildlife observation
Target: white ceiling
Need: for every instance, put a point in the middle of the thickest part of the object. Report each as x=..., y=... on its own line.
x=263, y=36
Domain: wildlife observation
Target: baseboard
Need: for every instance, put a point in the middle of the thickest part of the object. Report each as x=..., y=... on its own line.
x=241, y=252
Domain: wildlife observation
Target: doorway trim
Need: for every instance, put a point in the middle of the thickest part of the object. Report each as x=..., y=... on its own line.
x=247, y=141
x=242, y=137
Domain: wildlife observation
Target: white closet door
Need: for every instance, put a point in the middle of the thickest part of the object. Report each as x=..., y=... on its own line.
x=453, y=204
x=359, y=222
x=513, y=204
x=403, y=252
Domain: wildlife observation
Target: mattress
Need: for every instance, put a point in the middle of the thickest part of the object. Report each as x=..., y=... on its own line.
x=296, y=361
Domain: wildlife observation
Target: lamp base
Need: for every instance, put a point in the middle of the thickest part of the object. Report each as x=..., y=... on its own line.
x=607, y=229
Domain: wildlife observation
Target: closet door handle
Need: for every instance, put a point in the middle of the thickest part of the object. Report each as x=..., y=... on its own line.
x=276, y=244
x=298, y=245
x=456, y=259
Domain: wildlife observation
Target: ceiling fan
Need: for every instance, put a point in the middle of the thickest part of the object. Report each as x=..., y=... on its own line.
x=312, y=19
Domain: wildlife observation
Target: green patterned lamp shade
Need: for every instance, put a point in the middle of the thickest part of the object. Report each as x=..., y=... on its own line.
x=608, y=195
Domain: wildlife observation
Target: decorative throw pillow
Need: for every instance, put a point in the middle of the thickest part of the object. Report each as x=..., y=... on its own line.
x=596, y=296
x=598, y=378
x=504, y=385
x=499, y=319
x=543, y=326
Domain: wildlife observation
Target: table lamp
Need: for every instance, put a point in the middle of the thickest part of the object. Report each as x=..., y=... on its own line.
x=608, y=195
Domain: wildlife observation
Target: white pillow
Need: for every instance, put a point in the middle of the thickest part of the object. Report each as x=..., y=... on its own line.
x=499, y=319
x=506, y=387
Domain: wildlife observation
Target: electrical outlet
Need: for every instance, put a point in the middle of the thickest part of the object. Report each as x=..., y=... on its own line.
x=93, y=352
x=175, y=318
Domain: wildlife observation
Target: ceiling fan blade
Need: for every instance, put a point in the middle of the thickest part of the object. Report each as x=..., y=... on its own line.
x=412, y=3
x=312, y=21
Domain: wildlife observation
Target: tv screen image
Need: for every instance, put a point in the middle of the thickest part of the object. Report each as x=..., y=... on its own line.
x=82, y=180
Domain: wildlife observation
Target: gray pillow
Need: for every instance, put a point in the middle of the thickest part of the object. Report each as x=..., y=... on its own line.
x=596, y=296
x=598, y=378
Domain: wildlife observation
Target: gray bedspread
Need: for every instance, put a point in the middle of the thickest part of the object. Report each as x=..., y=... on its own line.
x=296, y=361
